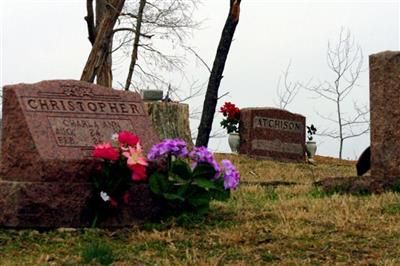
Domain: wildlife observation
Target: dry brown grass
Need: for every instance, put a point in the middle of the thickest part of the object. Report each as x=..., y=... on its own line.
x=265, y=170
x=275, y=225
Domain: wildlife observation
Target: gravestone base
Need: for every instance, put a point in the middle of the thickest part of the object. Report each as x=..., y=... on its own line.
x=52, y=204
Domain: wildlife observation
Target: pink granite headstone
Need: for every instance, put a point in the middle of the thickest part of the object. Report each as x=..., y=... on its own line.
x=48, y=132
x=272, y=133
x=385, y=114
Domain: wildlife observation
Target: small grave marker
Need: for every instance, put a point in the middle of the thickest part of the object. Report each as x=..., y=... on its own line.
x=272, y=133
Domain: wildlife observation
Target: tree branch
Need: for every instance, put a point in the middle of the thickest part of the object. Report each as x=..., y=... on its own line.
x=90, y=21
x=135, y=44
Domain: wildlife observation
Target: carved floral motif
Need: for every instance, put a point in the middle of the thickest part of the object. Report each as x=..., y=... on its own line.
x=78, y=91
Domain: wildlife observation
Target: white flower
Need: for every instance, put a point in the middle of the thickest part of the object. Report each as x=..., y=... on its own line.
x=114, y=137
x=104, y=196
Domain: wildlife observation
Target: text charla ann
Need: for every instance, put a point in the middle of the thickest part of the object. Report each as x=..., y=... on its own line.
x=82, y=106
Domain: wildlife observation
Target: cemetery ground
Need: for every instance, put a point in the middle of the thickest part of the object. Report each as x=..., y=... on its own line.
x=290, y=222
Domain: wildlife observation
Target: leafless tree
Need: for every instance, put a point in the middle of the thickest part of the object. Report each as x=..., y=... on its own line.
x=345, y=60
x=146, y=28
x=148, y=32
x=286, y=90
x=211, y=97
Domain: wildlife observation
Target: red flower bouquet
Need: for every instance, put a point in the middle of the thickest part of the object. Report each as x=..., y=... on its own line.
x=231, y=115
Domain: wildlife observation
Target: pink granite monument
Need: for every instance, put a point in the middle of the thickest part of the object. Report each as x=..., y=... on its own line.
x=272, y=133
x=385, y=114
x=48, y=132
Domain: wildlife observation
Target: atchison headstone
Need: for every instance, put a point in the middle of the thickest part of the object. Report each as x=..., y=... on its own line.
x=48, y=132
x=272, y=133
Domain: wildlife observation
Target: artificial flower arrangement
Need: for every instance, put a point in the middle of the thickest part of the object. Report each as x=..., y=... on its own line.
x=190, y=179
x=121, y=164
x=187, y=180
x=231, y=115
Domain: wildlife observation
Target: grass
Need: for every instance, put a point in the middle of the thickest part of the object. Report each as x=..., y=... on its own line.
x=97, y=252
x=296, y=224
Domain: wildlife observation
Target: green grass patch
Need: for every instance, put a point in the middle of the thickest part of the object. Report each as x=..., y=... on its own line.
x=266, y=256
x=97, y=252
x=317, y=193
x=393, y=208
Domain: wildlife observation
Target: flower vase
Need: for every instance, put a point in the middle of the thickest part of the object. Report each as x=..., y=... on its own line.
x=311, y=148
x=234, y=142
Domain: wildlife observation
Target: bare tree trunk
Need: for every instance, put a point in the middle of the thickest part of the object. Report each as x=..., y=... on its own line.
x=340, y=127
x=104, y=77
x=211, y=98
x=100, y=49
x=135, y=44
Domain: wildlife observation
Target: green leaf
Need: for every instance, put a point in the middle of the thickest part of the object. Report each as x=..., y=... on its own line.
x=177, y=180
x=182, y=190
x=203, y=209
x=204, y=183
x=220, y=195
x=181, y=169
x=158, y=183
x=219, y=184
x=219, y=192
x=204, y=170
x=199, y=199
x=170, y=196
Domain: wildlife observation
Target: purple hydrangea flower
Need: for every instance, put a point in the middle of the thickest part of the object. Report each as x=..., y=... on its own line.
x=203, y=155
x=231, y=175
x=167, y=147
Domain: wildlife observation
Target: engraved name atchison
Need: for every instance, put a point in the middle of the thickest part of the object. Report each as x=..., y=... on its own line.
x=277, y=146
x=278, y=124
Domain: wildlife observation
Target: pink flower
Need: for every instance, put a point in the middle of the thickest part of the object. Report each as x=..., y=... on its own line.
x=105, y=151
x=127, y=138
x=136, y=162
x=135, y=156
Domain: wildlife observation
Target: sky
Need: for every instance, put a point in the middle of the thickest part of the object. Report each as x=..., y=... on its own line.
x=48, y=40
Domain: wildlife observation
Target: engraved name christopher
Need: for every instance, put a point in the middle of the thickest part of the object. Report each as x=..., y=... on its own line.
x=82, y=106
x=278, y=124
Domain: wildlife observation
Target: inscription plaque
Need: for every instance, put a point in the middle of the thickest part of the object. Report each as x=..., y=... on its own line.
x=277, y=145
x=75, y=132
x=272, y=133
